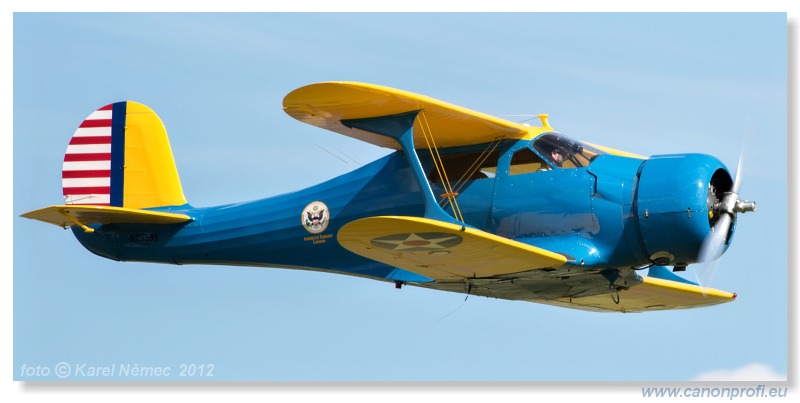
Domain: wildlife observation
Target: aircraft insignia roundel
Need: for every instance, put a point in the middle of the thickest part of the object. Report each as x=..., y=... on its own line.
x=417, y=242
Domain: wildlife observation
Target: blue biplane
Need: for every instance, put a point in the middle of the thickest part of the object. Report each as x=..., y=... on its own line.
x=468, y=203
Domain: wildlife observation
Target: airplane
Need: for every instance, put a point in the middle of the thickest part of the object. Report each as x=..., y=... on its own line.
x=467, y=202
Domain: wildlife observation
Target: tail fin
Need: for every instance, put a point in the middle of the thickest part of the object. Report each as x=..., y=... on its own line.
x=117, y=163
x=120, y=157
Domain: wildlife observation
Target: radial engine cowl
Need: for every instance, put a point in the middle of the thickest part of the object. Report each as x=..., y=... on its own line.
x=677, y=204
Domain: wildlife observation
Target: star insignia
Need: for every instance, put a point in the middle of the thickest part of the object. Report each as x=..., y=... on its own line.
x=417, y=242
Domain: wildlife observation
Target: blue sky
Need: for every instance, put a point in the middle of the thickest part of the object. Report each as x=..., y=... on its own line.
x=646, y=83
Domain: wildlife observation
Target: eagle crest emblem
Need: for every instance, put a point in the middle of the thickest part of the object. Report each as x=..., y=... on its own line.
x=315, y=217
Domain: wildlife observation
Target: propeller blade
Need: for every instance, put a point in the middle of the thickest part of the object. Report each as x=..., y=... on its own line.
x=737, y=180
x=714, y=245
x=712, y=248
x=715, y=242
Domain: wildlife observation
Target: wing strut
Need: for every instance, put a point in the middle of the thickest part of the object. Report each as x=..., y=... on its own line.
x=76, y=222
x=449, y=194
x=401, y=128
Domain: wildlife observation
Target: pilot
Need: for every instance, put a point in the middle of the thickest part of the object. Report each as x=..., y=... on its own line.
x=557, y=156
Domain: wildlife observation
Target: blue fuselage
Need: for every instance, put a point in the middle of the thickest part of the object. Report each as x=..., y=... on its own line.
x=590, y=214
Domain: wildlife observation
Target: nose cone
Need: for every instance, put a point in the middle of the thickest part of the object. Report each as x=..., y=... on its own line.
x=675, y=202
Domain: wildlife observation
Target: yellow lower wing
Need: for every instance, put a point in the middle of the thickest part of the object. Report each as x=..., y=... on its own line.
x=67, y=216
x=440, y=250
x=654, y=294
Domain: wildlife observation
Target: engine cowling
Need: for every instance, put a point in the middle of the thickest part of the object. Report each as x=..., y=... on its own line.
x=677, y=203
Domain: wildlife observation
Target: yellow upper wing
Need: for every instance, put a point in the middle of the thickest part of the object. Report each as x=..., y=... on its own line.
x=326, y=104
x=440, y=250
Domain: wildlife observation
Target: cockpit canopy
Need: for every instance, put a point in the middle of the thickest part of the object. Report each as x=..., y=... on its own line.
x=546, y=152
x=564, y=152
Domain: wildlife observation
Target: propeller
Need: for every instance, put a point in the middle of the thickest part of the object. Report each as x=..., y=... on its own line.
x=725, y=209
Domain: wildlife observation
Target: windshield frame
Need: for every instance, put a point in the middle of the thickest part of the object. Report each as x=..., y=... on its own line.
x=574, y=153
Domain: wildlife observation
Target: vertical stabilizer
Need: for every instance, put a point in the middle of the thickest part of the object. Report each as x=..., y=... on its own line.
x=120, y=156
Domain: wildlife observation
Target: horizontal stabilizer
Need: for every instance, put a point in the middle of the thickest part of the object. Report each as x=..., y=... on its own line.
x=69, y=215
x=654, y=294
x=440, y=250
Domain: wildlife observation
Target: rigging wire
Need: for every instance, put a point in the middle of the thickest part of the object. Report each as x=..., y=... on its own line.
x=437, y=161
